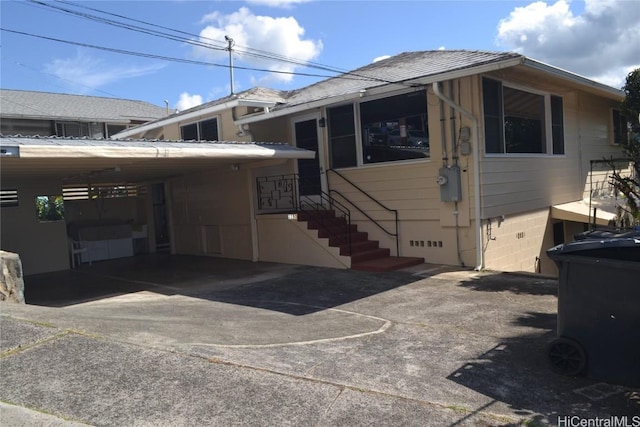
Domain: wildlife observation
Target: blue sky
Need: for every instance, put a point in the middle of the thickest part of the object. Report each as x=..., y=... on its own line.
x=598, y=39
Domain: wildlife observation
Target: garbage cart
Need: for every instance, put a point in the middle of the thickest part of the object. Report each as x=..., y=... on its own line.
x=598, y=308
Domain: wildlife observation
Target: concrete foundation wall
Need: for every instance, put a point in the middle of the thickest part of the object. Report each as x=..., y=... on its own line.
x=519, y=242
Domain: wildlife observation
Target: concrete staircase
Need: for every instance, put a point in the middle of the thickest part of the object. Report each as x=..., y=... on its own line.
x=365, y=254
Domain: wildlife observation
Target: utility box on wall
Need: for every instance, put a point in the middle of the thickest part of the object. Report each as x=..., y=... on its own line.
x=450, y=184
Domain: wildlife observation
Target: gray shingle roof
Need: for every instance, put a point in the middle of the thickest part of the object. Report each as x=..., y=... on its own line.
x=46, y=105
x=396, y=69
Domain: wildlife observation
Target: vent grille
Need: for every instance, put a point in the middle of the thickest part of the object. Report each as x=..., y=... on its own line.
x=105, y=191
x=8, y=198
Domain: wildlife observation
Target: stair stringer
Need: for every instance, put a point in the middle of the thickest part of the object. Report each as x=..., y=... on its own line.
x=323, y=243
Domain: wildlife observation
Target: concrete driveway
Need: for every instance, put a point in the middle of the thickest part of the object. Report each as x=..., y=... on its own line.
x=183, y=341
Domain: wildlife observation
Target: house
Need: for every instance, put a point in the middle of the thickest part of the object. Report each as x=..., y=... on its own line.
x=46, y=114
x=473, y=158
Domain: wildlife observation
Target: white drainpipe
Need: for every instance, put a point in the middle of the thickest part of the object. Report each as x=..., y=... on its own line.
x=476, y=171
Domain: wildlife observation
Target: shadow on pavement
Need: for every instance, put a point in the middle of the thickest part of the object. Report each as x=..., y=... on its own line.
x=516, y=371
x=295, y=290
x=513, y=282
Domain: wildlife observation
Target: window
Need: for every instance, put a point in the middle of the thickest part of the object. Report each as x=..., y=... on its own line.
x=342, y=137
x=206, y=130
x=49, y=208
x=392, y=128
x=395, y=128
x=80, y=129
x=516, y=120
x=113, y=129
x=620, y=127
x=9, y=126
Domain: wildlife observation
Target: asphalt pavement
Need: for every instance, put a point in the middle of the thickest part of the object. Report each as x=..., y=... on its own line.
x=193, y=341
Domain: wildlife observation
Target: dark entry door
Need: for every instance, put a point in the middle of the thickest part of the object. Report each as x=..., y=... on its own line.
x=309, y=171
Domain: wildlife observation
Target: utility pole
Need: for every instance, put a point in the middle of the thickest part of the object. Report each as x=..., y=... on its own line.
x=231, y=44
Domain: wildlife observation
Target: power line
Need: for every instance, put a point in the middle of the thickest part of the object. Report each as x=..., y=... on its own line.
x=245, y=51
x=172, y=59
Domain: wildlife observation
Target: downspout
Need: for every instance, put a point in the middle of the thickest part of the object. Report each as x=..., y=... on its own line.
x=476, y=172
x=454, y=157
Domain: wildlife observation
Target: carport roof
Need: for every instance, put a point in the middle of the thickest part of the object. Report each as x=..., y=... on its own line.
x=133, y=160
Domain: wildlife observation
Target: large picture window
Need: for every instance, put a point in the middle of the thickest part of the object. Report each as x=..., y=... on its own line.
x=391, y=129
x=518, y=121
x=395, y=128
x=206, y=130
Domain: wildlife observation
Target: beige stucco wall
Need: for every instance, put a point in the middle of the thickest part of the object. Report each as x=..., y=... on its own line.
x=286, y=240
x=210, y=213
x=42, y=246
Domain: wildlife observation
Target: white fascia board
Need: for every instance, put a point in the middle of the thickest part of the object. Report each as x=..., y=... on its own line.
x=377, y=90
x=221, y=151
x=192, y=115
x=567, y=75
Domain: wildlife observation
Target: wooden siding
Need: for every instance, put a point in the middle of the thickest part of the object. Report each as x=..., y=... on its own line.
x=514, y=183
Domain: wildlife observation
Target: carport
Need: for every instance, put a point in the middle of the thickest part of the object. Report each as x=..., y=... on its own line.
x=130, y=190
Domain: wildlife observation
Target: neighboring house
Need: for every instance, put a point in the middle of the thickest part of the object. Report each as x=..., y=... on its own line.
x=470, y=158
x=54, y=114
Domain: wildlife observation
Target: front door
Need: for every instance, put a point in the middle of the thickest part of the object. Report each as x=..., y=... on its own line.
x=310, y=171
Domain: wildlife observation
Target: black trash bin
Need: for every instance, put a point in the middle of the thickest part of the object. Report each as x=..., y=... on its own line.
x=599, y=308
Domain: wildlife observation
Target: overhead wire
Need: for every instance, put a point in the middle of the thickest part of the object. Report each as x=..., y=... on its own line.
x=245, y=51
x=164, y=58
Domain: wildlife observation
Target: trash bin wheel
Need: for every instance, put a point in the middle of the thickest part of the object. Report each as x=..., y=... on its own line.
x=567, y=356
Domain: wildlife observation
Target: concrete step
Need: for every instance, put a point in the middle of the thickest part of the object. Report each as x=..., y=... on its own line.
x=339, y=240
x=359, y=257
x=365, y=245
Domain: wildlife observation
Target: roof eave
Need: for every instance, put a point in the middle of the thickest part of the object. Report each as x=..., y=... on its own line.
x=575, y=78
x=425, y=80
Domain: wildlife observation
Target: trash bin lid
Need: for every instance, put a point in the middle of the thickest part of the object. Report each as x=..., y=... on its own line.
x=617, y=248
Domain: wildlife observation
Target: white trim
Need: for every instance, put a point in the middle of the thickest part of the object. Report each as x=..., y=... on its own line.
x=548, y=120
x=321, y=158
x=567, y=75
x=179, y=117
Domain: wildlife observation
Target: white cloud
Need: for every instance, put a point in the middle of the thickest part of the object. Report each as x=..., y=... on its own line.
x=380, y=58
x=87, y=73
x=281, y=36
x=188, y=101
x=602, y=42
x=277, y=3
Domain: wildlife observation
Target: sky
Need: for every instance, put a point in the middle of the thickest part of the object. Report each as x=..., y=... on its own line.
x=172, y=52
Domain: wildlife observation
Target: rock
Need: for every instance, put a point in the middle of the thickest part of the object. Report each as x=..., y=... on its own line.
x=11, y=280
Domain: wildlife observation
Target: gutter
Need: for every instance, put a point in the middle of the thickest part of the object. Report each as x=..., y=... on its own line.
x=476, y=171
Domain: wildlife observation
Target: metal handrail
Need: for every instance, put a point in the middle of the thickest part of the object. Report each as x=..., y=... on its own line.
x=298, y=202
x=373, y=199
